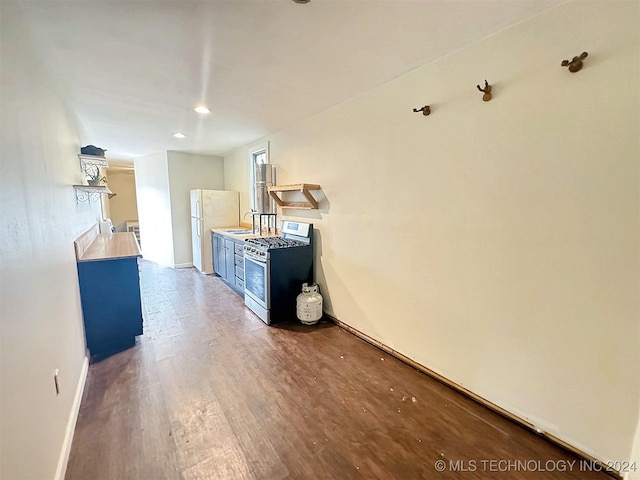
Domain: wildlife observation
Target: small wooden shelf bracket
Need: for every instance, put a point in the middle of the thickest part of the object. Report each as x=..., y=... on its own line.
x=303, y=188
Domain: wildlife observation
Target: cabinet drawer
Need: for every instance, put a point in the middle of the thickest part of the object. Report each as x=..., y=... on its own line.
x=239, y=260
x=239, y=248
x=239, y=272
x=240, y=283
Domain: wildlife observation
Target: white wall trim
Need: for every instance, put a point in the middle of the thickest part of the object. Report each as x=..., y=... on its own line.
x=183, y=265
x=71, y=423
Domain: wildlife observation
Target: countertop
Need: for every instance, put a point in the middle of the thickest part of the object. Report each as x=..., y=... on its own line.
x=242, y=237
x=112, y=246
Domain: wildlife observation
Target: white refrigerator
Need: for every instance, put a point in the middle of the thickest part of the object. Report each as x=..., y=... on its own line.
x=210, y=208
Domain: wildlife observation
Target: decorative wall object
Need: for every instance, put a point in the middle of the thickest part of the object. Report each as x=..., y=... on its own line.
x=486, y=90
x=426, y=110
x=90, y=166
x=93, y=150
x=575, y=65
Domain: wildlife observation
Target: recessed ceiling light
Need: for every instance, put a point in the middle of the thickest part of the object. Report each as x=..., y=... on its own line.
x=179, y=135
x=202, y=109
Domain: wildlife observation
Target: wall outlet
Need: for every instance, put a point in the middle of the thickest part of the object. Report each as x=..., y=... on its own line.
x=55, y=381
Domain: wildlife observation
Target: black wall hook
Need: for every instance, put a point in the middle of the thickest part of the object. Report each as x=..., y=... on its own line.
x=426, y=110
x=486, y=90
x=575, y=64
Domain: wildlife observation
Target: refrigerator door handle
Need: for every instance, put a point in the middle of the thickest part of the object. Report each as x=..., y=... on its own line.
x=198, y=229
x=198, y=209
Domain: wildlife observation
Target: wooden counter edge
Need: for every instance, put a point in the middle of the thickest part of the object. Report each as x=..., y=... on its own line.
x=112, y=246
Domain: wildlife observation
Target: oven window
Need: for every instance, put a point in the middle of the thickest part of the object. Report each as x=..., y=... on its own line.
x=255, y=280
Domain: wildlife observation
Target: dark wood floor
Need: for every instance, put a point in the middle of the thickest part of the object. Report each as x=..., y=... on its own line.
x=210, y=392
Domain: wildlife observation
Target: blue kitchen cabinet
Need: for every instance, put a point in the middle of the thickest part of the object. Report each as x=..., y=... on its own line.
x=111, y=304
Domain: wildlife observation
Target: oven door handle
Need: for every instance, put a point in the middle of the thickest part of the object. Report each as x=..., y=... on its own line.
x=254, y=257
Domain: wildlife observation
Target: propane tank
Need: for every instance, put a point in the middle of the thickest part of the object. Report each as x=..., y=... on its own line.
x=309, y=304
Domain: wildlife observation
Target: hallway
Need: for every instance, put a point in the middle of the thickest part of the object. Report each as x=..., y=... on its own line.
x=210, y=392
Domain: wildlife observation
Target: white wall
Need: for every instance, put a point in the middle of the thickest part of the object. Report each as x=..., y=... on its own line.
x=495, y=243
x=236, y=178
x=41, y=325
x=123, y=206
x=154, y=208
x=163, y=181
x=188, y=172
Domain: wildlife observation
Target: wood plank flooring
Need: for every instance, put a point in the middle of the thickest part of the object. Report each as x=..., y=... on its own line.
x=211, y=392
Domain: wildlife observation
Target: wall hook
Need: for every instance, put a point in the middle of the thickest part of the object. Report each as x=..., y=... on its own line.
x=426, y=110
x=575, y=64
x=487, y=91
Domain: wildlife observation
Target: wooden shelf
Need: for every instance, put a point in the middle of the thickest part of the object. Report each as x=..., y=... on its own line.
x=303, y=188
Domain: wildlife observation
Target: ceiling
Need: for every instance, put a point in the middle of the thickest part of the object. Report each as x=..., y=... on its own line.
x=133, y=70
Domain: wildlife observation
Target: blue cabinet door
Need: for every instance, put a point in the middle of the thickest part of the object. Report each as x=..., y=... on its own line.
x=110, y=295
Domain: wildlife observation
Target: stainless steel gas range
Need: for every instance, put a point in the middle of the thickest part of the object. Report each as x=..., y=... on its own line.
x=275, y=269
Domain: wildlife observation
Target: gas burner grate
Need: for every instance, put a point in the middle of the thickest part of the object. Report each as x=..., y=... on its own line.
x=274, y=242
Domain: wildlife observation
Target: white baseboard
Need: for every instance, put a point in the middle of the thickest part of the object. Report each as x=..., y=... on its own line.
x=183, y=265
x=71, y=423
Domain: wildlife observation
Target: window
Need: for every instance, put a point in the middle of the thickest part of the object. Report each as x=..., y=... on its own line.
x=260, y=157
x=259, y=154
